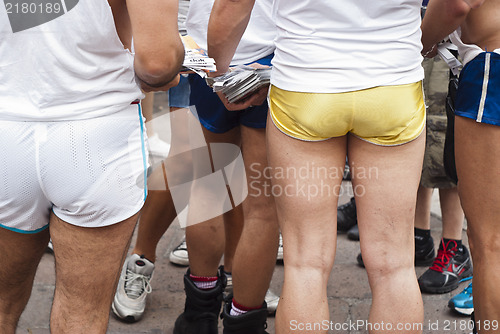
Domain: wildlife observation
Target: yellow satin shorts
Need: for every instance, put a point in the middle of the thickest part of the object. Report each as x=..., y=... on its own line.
x=384, y=115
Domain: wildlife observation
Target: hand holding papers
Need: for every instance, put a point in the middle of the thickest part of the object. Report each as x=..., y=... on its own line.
x=241, y=81
x=196, y=59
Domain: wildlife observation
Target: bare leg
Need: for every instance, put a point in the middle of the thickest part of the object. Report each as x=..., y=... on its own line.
x=159, y=211
x=205, y=241
x=233, y=226
x=307, y=220
x=452, y=213
x=385, y=180
x=17, y=273
x=255, y=256
x=88, y=262
x=423, y=208
x=478, y=161
x=156, y=216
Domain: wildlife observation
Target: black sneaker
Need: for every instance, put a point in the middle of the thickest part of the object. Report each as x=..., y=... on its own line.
x=424, y=254
x=353, y=233
x=346, y=216
x=451, y=265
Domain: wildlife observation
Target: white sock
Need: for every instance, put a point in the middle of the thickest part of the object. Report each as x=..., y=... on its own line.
x=236, y=311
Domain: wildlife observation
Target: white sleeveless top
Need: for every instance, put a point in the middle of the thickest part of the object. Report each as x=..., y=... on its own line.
x=332, y=46
x=256, y=42
x=64, y=65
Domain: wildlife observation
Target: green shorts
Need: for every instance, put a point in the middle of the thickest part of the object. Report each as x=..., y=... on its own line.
x=435, y=88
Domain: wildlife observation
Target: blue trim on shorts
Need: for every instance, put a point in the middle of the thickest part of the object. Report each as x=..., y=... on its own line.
x=478, y=94
x=143, y=146
x=23, y=231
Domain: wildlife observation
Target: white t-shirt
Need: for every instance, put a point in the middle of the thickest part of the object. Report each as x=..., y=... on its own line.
x=257, y=41
x=331, y=46
x=66, y=67
x=182, y=15
x=466, y=51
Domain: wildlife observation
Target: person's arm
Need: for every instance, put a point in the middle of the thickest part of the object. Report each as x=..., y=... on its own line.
x=228, y=21
x=442, y=17
x=159, y=52
x=227, y=24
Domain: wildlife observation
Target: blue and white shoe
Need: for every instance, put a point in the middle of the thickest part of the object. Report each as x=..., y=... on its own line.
x=462, y=303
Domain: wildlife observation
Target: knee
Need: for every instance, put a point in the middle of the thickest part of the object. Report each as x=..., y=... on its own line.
x=381, y=265
x=262, y=217
x=484, y=243
x=319, y=264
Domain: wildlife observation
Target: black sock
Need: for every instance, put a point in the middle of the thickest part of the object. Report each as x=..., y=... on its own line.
x=459, y=243
x=422, y=236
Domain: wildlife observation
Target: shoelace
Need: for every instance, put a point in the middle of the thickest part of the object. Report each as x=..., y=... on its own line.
x=444, y=256
x=136, y=284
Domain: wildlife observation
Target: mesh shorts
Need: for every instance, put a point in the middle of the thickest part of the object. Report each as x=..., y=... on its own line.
x=90, y=173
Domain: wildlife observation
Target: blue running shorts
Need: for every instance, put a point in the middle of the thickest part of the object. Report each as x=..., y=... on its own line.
x=178, y=96
x=478, y=95
x=212, y=113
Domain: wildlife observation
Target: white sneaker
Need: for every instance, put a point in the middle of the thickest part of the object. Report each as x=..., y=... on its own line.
x=157, y=146
x=279, y=257
x=272, y=301
x=179, y=255
x=134, y=285
x=50, y=247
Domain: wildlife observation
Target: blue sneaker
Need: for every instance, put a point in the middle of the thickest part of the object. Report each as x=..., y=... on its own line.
x=462, y=303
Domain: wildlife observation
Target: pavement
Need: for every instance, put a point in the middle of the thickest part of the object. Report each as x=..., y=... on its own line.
x=348, y=292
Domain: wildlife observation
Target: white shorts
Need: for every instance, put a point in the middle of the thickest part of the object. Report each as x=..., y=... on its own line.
x=90, y=173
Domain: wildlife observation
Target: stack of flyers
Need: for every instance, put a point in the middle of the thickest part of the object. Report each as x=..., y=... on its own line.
x=241, y=81
x=196, y=59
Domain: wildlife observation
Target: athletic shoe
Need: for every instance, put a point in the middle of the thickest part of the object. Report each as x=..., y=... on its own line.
x=134, y=285
x=201, y=308
x=252, y=322
x=271, y=299
x=353, y=233
x=462, y=303
x=279, y=256
x=359, y=259
x=347, y=173
x=179, y=255
x=451, y=265
x=228, y=289
x=346, y=216
x=157, y=146
x=50, y=247
x=424, y=254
